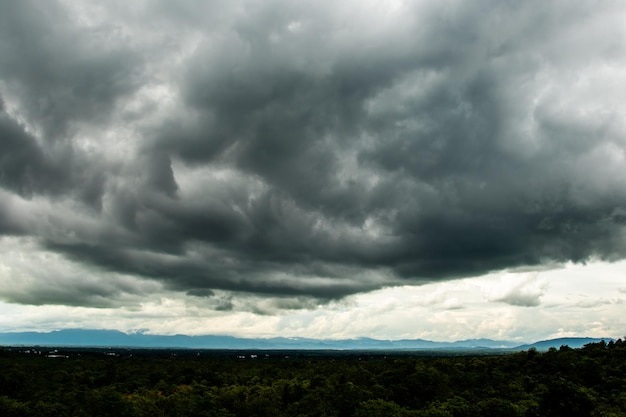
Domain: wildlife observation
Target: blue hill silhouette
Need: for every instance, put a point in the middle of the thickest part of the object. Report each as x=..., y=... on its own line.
x=114, y=338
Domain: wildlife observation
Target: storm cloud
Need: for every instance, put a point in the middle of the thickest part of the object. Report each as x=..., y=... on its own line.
x=310, y=149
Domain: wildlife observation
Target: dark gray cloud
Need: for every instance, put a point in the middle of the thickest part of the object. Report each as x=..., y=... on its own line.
x=25, y=167
x=311, y=149
x=59, y=71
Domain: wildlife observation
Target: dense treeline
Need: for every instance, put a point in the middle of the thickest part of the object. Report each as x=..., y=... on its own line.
x=575, y=382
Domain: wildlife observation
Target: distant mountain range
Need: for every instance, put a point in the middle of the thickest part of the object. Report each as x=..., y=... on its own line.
x=113, y=338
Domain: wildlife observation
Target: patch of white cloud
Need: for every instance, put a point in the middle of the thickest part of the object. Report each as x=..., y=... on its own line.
x=595, y=302
x=523, y=290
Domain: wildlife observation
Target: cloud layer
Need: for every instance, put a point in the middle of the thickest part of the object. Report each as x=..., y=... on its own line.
x=308, y=149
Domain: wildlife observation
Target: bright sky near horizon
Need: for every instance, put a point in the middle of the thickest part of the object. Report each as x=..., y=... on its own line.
x=392, y=169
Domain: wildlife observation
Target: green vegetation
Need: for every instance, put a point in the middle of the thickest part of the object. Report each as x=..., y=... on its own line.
x=575, y=382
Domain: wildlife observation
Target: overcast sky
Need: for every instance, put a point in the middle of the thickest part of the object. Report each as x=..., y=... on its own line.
x=436, y=169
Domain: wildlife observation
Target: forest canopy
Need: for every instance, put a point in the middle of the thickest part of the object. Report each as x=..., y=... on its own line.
x=590, y=381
